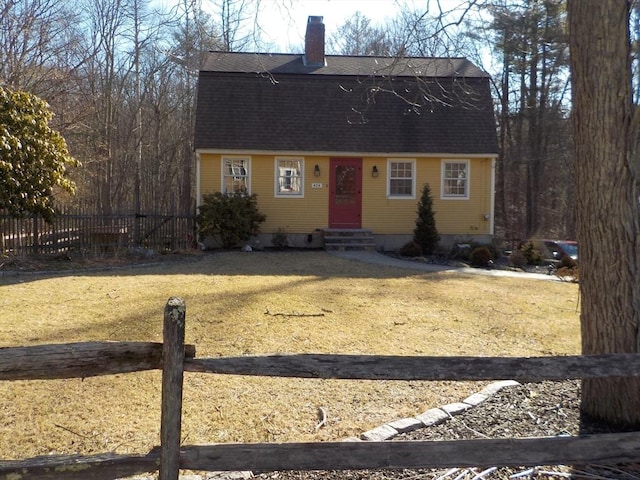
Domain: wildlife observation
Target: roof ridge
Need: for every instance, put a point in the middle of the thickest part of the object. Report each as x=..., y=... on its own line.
x=334, y=65
x=290, y=54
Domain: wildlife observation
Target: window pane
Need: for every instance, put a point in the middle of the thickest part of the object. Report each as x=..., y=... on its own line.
x=235, y=175
x=289, y=176
x=401, y=170
x=345, y=185
x=455, y=179
x=401, y=179
x=400, y=187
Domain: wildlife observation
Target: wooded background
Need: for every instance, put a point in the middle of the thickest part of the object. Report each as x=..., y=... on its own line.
x=121, y=77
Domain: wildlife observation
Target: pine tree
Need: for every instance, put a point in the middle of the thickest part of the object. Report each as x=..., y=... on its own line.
x=425, y=234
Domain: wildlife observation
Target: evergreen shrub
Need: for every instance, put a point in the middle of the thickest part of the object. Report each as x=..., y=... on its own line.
x=229, y=218
x=426, y=234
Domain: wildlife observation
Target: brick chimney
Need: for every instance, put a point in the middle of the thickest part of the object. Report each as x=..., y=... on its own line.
x=314, y=42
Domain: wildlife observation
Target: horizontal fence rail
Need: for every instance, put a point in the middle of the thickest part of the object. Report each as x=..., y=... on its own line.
x=76, y=230
x=81, y=360
x=89, y=359
x=106, y=466
x=603, y=449
x=526, y=452
x=388, y=367
x=175, y=358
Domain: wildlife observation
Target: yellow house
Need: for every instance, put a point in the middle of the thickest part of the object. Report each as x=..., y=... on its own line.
x=339, y=144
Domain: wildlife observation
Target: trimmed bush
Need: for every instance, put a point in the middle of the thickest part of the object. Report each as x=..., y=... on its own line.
x=229, y=218
x=411, y=249
x=480, y=256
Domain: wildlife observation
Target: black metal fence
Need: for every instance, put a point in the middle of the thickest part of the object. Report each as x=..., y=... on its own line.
x=82, y=231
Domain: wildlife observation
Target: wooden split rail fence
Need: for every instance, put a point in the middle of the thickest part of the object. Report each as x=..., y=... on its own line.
x=173, y=357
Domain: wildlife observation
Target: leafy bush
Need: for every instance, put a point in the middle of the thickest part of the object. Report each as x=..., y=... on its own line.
x=425, y=234
x=531, y=254
x=229, y=218
x=411, y=249
x=463, y=250
x=481, y=256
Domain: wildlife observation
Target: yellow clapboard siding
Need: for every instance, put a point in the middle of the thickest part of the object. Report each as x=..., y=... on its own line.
x=294, y=214
x=457, y=217
x=380, y=214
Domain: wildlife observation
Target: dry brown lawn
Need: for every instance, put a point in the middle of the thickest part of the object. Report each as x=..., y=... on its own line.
x=261, y=303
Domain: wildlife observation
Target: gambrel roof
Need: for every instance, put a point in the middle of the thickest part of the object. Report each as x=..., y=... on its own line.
x=277, y=102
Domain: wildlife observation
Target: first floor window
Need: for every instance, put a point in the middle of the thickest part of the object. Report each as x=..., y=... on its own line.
x=401, y=178
x=235, y=175
x=455, y=179
x=289, y=176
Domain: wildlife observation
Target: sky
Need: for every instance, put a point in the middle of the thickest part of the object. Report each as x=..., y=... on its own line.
x=284, y=21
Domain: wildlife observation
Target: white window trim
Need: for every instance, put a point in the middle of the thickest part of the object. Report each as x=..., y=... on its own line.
x=279, y=194
x=412, y=161
x=223, y=175
x=468, y=179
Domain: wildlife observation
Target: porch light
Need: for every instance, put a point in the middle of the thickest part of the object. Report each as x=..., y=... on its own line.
x=374, y=172
x=316, y=170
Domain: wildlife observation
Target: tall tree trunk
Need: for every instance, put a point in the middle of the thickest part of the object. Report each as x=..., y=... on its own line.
x=501, y=214
x=607, y=211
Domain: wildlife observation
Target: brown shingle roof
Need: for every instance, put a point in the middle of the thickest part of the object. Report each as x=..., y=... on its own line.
x=352, y=104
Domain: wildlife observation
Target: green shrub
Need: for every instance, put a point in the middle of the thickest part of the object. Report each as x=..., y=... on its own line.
x=411, y=249
x=531, y=254
x=481, y=256
x=229, y=218
x=425, y=234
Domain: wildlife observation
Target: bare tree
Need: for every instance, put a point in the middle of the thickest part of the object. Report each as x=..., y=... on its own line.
x=357, y=36
x=534, y=175
x=605, y=124
x=37, y=38
x=237, y=23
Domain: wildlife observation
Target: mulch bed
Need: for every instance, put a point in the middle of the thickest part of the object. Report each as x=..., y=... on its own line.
x=529, y=410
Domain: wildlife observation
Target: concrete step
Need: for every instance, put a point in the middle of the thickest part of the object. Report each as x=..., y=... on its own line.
x=350, y=246
x=348, y=239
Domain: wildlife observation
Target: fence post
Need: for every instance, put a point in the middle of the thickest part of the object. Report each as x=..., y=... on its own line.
x=172, y=376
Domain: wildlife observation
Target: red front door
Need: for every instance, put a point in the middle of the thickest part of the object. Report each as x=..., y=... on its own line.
x=345, y=193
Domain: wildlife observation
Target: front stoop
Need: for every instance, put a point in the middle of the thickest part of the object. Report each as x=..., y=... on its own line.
x=348, y=239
